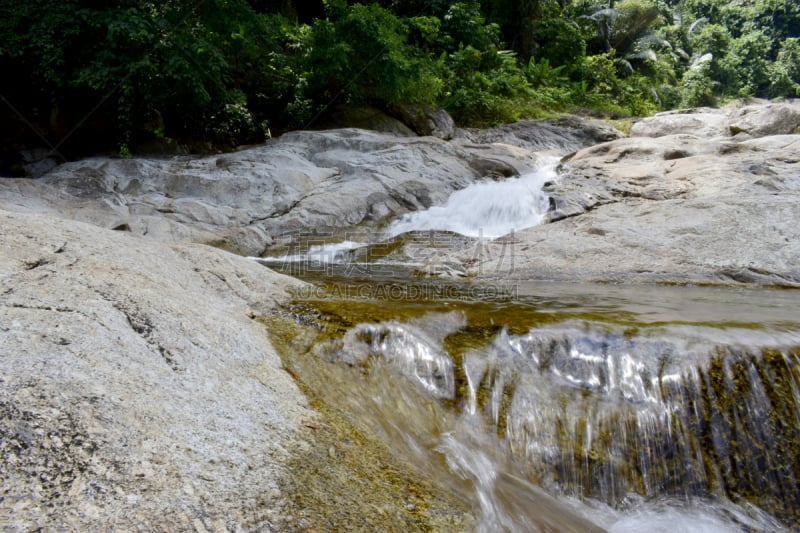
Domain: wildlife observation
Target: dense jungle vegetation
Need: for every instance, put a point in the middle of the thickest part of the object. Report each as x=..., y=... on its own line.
x=110, y=74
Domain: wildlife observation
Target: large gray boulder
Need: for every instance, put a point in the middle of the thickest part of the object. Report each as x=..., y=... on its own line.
x=137, y=393
x=426, y=120
x=757, y=119
x=769, y=119
x=362, y=117
x=702, y=122
x=562, y=135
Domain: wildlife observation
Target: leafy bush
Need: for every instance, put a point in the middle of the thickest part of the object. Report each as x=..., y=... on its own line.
x=784, y=73
x=559, y=41
x=364, y=55
x=225, y=70
x=745, y=68
x=697, y=87
x=464, y=26
x=483, y=88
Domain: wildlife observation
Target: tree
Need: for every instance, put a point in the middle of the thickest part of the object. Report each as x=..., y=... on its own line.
x=363, y=55
x=745, y=67
x=784, y=73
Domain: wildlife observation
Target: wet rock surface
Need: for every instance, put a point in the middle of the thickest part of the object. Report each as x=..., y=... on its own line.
x=140, y=390
x=324, y=181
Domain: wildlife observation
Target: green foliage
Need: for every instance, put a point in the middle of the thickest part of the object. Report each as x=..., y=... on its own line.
x=620, y=27
x=423, y=32
x=541, y=74
x=710, y=39
x=697, y=87
x=115, y=73
x=599, y=73
x=364, y=55
x=745, y=67
x=483, y=87
x=784, y=73
x=40, y=37
x=560, y=42
x=464, y=26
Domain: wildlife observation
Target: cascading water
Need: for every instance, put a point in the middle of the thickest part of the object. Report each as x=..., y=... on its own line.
x=576, y=425
x=626, y=410
x=483, y=210
x=487, y=209
x=603, y=415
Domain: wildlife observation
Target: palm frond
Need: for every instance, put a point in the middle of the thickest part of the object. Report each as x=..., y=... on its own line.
x=696, y=25
x=702, y=60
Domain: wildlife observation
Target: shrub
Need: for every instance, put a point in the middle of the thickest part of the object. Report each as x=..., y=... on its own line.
x=697, y=87
x=745, y=68
x=364, y=55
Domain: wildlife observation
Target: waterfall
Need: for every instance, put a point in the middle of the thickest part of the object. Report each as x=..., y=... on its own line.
x=687, y=415
x=603, y=415
x=487, y=209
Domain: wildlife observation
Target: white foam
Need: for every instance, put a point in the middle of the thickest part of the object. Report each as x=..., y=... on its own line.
x=487, y=209
x=320, y=254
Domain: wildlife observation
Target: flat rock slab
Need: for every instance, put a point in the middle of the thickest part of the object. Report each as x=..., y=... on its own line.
x=758, y=119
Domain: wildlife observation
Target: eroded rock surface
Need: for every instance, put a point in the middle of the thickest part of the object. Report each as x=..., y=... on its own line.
x=757, y=119
x=324, y=181
x=674, y=204
x=136, y=391
x=240, y=201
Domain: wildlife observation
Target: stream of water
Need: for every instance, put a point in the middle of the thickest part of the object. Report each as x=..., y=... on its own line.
x=566, y=407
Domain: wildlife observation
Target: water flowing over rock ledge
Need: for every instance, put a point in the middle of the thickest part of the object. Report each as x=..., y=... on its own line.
x=675, y=206
x=639, y=401
x=328, y=182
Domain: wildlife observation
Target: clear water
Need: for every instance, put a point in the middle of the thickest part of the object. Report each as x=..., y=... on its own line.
x=563, y=407
x=577, y=407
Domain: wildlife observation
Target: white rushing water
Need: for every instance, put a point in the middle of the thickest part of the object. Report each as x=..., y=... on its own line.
x=322, y=254
x=487, y=209
x=571, y=409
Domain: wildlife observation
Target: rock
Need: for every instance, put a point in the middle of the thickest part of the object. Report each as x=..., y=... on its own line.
x=136, y=392
x=623, y=209
x=751, y=120
x=702, y=122
x=37, y=163
x=327, y=180
x=362, y=117
x=673, y=209
x=768, y=119
x=426, y=120
x=564, y=135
